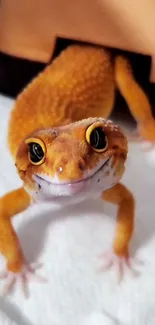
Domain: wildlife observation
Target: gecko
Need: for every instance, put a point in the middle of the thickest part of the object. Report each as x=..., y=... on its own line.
x=65, y=148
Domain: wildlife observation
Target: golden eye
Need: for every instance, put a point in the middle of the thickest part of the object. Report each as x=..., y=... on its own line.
x=37, y=150
x=96, y=137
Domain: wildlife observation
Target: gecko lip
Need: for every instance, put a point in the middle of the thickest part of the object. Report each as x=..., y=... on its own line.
x=39, y=178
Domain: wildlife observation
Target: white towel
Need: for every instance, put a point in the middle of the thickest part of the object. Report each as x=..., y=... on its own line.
x=68, y=243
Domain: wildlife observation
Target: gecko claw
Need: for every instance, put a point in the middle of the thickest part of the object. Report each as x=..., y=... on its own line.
x=120, y=263
x=23, y=277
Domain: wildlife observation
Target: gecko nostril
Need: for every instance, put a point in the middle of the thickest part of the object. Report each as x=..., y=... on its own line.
x=60, y=165
x=59, y=169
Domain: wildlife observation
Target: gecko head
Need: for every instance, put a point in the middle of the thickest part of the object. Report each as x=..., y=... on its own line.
x=85, y=157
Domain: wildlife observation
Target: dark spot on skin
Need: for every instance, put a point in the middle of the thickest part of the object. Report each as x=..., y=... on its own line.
x=81, y=166
x=122, y=155
x=55, y=132
x=39, y=186
x=115, y=147
x=98, y=180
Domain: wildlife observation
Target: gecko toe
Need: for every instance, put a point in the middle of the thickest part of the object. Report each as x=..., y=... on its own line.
x=120, y=264
x=24, y=277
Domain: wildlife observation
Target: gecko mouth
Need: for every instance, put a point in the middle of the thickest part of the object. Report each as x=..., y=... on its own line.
x=56, y=182
x=97, y=178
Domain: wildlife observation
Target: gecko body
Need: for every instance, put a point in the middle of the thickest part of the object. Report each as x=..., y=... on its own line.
x=66, y=150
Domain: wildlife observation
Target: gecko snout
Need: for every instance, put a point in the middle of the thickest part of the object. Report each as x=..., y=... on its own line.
x=70, y=169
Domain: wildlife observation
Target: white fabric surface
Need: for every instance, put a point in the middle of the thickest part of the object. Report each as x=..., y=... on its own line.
x=68, y=243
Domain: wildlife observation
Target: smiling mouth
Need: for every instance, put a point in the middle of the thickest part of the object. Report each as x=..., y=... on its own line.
x=39, y=178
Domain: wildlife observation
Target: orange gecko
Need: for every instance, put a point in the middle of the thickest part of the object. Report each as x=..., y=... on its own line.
x=64, y=153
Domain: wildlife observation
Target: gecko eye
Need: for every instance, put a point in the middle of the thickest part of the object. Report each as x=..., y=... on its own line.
x=96, y=137
x=36, y=151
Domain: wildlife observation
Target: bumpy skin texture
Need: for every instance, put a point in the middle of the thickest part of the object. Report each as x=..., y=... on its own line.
x=80, y=83
x=78, y=86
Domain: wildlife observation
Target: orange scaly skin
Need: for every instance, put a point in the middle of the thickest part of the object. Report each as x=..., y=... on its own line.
x=54, y=113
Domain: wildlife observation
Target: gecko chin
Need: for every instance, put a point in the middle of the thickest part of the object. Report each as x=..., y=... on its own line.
x=92, y=184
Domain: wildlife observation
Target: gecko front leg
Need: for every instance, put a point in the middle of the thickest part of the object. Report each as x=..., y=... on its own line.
x=16, y=265
x=120, y=256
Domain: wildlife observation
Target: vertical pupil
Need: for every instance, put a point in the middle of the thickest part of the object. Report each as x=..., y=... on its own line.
x=36, y=152
x=36, y=149
x=98, y=138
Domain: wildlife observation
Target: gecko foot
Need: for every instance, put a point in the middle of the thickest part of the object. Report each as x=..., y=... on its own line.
x=120, y=263
x=29, y=271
